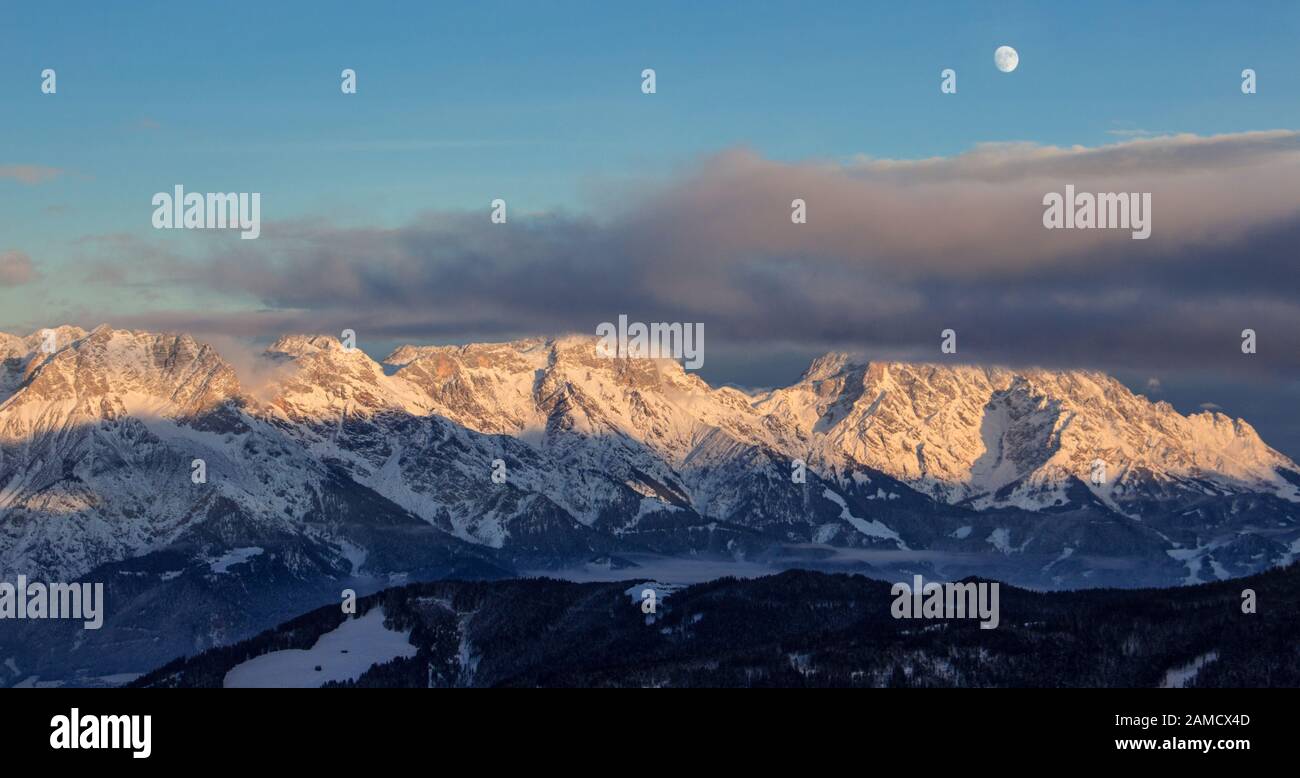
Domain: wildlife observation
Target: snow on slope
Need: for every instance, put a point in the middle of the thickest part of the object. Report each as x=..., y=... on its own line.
x=342, y=654
x=96, y=442
x=999, y=437
x=871, y=528
x=987, y=437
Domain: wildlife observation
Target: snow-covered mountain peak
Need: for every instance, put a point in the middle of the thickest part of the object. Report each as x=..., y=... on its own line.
x=604, y=451
x=990, y=435
x=999, y=436
x=832, y=364
x=586, y=427
x=112, y=372
x=305, y=345
x=315, y=378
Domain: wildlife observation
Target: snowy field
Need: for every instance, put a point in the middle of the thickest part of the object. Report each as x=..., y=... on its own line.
x=343, y=654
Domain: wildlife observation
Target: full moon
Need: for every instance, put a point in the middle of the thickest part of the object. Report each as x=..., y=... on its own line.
x=1006, y=59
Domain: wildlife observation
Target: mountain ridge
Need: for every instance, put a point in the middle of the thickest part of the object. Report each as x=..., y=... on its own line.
x=324, y=469
x=987, y=437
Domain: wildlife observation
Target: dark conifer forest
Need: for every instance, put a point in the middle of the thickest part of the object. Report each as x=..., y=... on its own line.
x=802, y=628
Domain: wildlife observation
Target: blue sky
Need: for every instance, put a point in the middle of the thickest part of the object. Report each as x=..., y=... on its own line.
x=540, y=103
x=463, y=102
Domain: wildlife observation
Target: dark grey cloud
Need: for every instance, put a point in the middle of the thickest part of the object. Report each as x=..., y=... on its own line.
x=893, y=252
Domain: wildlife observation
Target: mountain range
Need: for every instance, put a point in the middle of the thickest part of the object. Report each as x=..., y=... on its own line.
x=323, y=469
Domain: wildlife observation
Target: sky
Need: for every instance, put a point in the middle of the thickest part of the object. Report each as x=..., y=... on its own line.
x=924, y=207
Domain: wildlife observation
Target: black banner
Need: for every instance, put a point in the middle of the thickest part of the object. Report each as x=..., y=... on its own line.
x=328, y=728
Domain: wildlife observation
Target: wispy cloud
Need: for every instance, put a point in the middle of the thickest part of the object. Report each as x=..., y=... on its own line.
x=16, y=269
x=29, y=174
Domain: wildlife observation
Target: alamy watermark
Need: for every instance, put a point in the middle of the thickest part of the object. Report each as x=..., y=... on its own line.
x=1101, y=211
x=211, y=211
x=951, y=600
x=37, y=600
x=657, y=340
x=133, y=733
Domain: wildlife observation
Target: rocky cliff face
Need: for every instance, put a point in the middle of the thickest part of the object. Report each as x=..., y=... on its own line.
x=97, y=442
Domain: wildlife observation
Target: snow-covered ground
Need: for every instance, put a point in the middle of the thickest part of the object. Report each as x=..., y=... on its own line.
x=871, y=528
x=236, y=556
x=1178, y=677
x=342, y=654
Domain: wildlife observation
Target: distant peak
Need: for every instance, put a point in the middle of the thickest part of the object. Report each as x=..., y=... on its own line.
x=63, y=331
x=472, y=353
x=832, y=364
x=302, y=345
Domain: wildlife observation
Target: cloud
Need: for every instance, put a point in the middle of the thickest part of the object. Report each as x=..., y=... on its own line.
x=893, y=252
x=29, y=174
x=16, y=269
